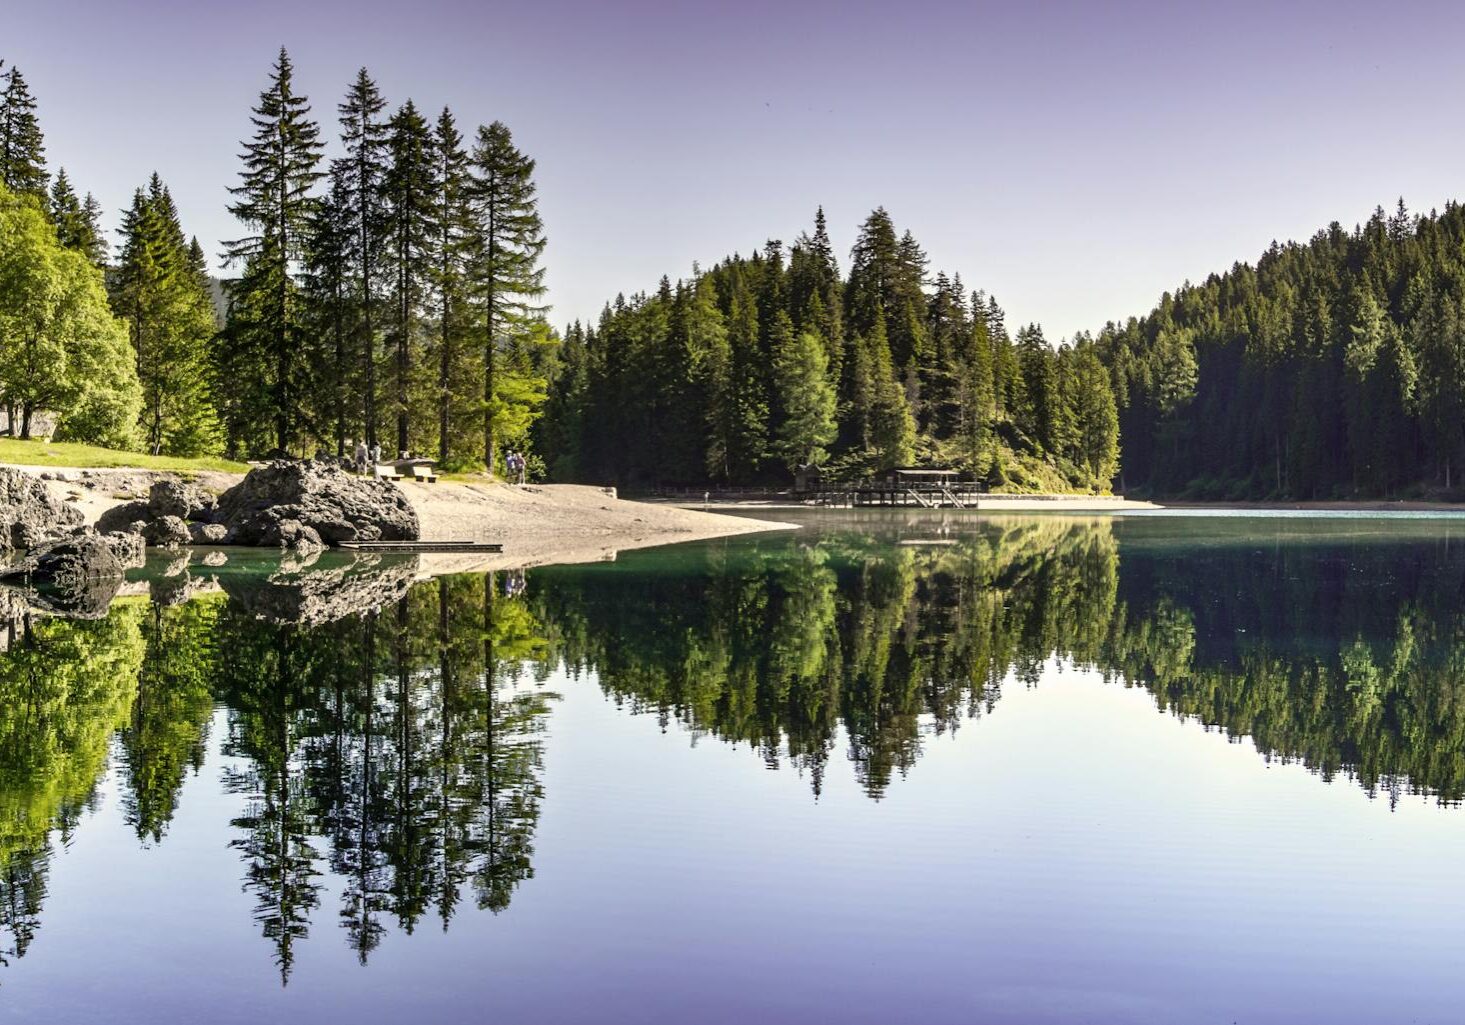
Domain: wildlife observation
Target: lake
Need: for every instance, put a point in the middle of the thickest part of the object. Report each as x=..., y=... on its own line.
x=893, y=767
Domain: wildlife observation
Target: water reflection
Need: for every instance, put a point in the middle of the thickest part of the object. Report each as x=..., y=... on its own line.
x=384, y=740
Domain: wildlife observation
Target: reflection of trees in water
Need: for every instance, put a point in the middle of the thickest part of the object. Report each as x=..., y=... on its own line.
x=779, y=650
x=393, y=758
x=1346, y=657
x=65, y=688
x=387, y=750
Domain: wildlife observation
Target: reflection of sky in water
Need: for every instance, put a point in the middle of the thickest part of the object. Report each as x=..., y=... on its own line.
x=1073, y=856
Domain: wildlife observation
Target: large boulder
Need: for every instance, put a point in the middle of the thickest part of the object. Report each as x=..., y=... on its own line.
x=127, y=518
x=208, y=533
x=167, y=532
x=29, y=514
x=75, y=575
x=334, y=505
x=335, y=587
x=172, y=497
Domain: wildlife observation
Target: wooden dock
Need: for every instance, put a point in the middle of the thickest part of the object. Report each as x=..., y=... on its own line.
x=486, y=547
x=925, y=496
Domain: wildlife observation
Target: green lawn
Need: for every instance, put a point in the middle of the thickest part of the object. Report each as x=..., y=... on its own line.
x=62, y=453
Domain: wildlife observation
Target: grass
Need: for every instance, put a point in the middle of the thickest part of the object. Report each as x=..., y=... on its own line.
x=65, y=453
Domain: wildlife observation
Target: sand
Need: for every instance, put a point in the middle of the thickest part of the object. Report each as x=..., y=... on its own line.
x=536, y=524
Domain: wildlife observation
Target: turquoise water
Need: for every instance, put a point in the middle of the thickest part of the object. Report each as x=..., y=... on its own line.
x=891, y=767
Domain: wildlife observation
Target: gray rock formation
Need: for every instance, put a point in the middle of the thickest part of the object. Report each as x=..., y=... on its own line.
x=322, y=498
x=77, y=575
x=208, y=533
x=29, y=514
x=167, y=532
x=129, y=518
x=170, y=497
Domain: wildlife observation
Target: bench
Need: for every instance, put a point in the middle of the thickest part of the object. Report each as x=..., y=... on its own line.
x=385, y=471
x=423, y=473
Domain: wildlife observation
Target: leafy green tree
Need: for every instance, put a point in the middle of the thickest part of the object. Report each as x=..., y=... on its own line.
x=268, y=337
x=61, y=349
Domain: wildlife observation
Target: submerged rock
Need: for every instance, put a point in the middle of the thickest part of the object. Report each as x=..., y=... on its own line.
x=320, y=497
x=77, y=575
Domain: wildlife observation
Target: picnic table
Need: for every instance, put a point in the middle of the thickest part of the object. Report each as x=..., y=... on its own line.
x=414, y=469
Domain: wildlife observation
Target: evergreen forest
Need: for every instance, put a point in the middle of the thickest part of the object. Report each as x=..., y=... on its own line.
x=386, y=285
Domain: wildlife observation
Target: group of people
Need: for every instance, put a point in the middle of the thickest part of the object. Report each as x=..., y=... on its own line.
x=366, y=458
x=516, y=466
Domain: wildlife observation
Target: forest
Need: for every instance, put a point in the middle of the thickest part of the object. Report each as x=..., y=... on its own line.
x=389, y=293
x=393, y=292
x=1331, y=369
x=762, y=364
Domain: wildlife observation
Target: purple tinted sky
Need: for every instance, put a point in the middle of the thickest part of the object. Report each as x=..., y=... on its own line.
x=1074, y=159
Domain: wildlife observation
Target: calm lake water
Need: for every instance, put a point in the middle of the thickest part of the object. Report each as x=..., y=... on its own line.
x=891, y=768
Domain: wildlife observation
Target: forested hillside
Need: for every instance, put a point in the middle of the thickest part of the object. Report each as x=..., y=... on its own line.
x=763, y=363
x=389, y=293
x=1332, y=369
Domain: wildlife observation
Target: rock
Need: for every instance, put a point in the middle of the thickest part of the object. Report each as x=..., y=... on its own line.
x=129, y=548
x=173, y=497
x=215, y=559
x=333, y=504
x=207, y=533
x=129, y=517
x=292, y=534
x=172, y=590
x=29, y=514
x=75, y=575
x=167, y=532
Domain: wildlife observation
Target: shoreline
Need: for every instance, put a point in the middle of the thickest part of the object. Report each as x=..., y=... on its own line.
x=538, y=524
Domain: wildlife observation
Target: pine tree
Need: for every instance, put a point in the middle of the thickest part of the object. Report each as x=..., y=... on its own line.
x=411, y=190
x=329, y=287
x=801, y=371
x=264, y=344
x=22, y=147
x=507, y=242
x=364, y=136
x=452, y=217
x=160, y=293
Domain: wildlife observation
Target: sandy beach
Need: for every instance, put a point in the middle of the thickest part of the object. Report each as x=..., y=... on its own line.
x=537, y=524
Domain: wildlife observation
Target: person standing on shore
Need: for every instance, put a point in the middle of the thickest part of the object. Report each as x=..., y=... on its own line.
x=361, y=455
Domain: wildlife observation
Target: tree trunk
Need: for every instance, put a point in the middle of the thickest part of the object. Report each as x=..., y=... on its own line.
x=25, y=421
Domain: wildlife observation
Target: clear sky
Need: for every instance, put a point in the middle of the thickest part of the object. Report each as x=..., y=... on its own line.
x=1073, y=159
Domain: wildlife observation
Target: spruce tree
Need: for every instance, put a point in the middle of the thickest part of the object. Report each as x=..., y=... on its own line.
x=364, y=137
x=506, y=277
x=22, y=147
x=411, y=191
x=453, y=219
x=162, y=294
x=806, y=396
x=267, y=336
x=329, y=286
